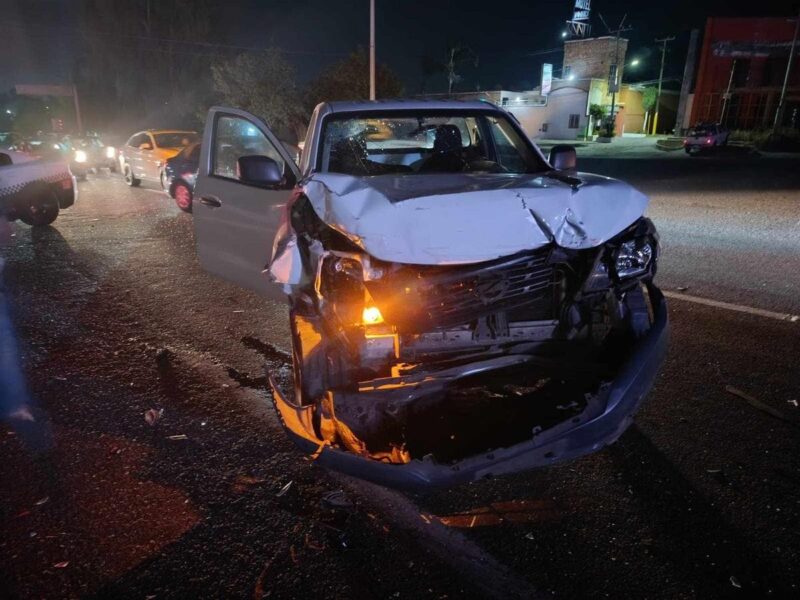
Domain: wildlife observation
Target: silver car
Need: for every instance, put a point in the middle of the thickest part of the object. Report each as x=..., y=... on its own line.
x=145, y=153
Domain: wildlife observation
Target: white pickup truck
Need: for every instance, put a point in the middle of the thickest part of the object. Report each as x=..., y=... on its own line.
x=460, y=306
x=34, y=190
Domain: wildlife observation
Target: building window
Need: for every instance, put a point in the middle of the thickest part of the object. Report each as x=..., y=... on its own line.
x=544, y=127
x=504, y=101
x=574, y=121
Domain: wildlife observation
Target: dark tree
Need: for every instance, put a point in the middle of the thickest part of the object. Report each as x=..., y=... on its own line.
x=349, y=80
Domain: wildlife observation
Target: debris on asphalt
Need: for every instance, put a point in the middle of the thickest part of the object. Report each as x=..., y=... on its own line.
x=152, y=415
x=249, y=480
x=530, y=536
x=792, y=402
x=284, y=489
x=162, y=357
x=755, y=403
x=312, y=544
x=337, y=500
x=61, y=565
x=180, y=436
x=735, y=582
x=42, y=501
x=681, y=288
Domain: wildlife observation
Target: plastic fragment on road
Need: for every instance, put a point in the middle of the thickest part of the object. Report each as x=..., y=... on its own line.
x=284, y=489
x=152, y=416
x=61, y=565
x=42, y=501
x=337, y=500
x=180, y=436
x=755, y=403
x=735, y=582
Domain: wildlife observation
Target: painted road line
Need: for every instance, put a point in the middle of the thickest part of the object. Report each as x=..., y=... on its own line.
x=760, y=312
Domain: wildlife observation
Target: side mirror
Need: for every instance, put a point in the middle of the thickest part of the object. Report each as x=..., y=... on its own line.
x=563, y=157
x=259, y=170
x=146, y=146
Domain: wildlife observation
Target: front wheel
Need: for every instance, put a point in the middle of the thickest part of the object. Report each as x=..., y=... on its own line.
x=129, y=178
x=183, y=197
x=42, y=211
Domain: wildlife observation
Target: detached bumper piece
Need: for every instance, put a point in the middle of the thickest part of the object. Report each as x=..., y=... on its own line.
x=573, y=420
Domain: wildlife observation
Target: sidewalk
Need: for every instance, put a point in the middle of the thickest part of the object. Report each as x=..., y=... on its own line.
x=624, y=147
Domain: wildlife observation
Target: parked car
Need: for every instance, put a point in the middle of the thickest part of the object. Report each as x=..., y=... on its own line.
x=706, y=136
x=89, y=153
x=34, y=190
x=459, y=306
x=180, y=173
x=8, y=139
x=144, y=154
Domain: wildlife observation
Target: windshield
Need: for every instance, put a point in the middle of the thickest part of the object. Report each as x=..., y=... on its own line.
x=416, y=142
x=175, y=139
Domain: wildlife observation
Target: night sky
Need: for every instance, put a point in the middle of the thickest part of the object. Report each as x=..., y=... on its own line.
x=511, y=38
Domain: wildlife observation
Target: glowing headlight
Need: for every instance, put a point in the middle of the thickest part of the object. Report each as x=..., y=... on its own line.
x=80, y=156
x=110, y=152
x=371, y=316
x=633, y=258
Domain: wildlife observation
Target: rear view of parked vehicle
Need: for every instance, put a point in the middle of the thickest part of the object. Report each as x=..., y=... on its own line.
x=144, y=155
x=34, y=190
x=180, y=173
x=707, y=136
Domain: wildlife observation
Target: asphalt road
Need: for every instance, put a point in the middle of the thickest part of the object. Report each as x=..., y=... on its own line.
x=699, y=499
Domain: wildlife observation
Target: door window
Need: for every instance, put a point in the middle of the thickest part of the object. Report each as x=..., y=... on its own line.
x=138, y=139
x=236, y=137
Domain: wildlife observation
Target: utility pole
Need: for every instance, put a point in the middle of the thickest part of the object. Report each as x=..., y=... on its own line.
x=779, y=112
x=663, y=42
x=372, y=49
x=615, y=85
x=727, y=95
x=686, y=84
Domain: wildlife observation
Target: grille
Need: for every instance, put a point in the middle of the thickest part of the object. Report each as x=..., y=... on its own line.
x=422, y=298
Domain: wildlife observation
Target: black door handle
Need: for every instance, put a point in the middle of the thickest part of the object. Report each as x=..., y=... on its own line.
x=210, y=201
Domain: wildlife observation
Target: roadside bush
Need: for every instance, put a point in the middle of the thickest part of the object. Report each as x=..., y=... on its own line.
x=785, y=139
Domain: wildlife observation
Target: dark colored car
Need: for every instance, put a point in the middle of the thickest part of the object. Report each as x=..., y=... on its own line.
x=180, y=173
x=87, y=153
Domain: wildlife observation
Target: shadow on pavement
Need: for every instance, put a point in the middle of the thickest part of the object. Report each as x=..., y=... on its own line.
x=545, y=525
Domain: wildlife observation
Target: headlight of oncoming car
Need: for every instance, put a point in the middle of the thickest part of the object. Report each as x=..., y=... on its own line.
x=633, y=257
x=80, y=156
x=110, y=153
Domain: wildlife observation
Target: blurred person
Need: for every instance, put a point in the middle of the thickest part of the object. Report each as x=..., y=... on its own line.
x=16, y=405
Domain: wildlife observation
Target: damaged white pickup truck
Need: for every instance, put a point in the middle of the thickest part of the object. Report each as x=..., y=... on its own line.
x=460, y=307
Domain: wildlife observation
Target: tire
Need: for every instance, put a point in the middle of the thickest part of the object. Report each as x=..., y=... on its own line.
x=42, y=209
x=129, y=178
x=163, y=179
x=183, y=196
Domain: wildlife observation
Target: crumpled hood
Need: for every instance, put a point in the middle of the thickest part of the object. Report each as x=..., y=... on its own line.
x=462, y=218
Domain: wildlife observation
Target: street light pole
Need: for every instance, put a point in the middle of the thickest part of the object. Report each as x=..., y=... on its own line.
x=617, y=78
x=372, y=49
x=663, y=42
x=779, y=111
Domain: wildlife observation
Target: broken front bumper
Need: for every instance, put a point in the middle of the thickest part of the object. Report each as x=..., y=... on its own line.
x=599, y=425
